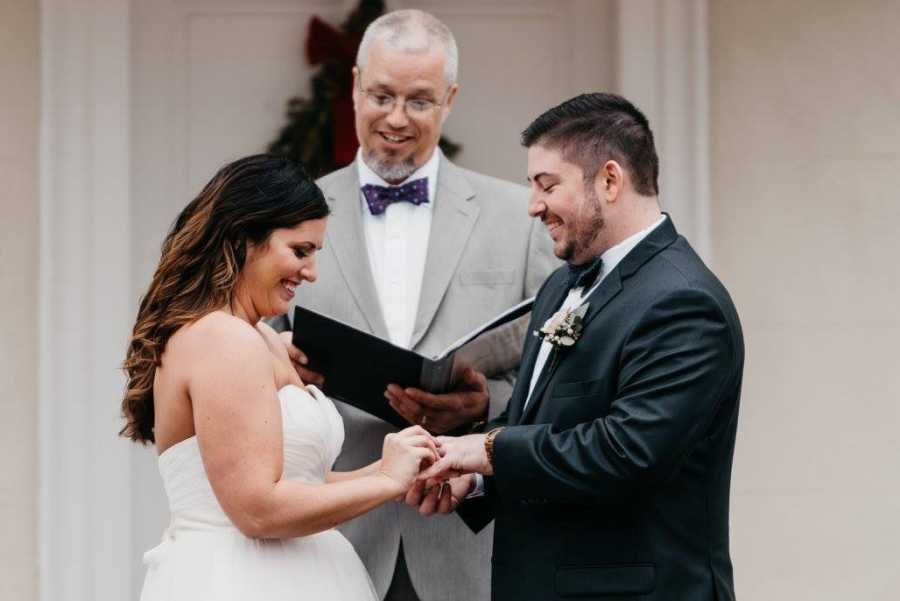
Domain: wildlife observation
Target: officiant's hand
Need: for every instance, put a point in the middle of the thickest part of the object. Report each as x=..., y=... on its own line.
x=299, y=360
x=440, y=413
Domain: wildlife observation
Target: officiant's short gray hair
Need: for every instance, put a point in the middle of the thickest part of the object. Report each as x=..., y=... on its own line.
x=411, y=31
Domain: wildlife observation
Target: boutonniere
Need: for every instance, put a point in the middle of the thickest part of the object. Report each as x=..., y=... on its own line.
x=564, y=328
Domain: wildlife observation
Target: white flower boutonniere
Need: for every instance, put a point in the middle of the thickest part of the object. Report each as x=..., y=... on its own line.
x=563, y=329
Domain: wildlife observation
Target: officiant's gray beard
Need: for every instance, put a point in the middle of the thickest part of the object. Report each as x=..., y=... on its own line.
x=391, y=172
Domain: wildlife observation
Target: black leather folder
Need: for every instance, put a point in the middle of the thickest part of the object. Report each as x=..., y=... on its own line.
x=358, y=366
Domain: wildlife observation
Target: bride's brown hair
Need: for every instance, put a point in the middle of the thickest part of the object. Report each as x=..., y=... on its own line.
x=201, y=258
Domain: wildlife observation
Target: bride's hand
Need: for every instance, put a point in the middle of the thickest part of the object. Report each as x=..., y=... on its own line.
x=406, y=453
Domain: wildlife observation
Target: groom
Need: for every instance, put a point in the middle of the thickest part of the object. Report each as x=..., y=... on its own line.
x=608, y=474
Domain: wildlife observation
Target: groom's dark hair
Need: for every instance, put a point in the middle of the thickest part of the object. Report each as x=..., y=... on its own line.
x=591, y=129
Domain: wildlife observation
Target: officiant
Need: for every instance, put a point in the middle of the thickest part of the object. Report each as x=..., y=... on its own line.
x=419, y=252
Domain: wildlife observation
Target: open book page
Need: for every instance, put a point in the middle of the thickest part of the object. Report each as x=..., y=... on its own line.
x=495, y=351
x=511, y=314
x=496, y=346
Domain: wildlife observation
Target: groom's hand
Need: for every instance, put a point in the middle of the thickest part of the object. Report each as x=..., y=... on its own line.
x=462, y=455
x=299, y=361
x=441, y=413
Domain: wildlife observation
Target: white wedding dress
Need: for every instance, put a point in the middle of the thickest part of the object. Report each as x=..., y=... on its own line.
x=204, y=557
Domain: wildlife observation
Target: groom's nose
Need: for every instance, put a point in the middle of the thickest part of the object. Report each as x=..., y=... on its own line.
x=536, y=206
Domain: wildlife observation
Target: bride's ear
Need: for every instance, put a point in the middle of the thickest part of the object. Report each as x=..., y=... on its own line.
x=250, y=249
x=247, y=250
x=242, y=253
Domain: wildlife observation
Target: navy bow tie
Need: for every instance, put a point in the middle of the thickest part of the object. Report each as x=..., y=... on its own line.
x=584, y=276
x=379, y=197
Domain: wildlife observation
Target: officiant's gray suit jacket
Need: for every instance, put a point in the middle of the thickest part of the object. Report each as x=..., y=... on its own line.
x=485, y=254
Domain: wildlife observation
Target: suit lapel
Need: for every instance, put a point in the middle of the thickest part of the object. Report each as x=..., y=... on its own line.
x=452, y=222
x=531, y=351
x=599, y=298
x=348, y=242
x=656, y=241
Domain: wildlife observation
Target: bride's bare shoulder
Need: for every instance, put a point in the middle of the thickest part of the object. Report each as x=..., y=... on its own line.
x=218, y=353
x=219, y=331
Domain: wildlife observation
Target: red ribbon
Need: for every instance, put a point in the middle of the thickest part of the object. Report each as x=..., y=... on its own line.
x=325, y=43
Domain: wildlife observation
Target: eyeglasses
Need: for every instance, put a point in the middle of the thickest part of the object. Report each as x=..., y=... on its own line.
x=384, y=102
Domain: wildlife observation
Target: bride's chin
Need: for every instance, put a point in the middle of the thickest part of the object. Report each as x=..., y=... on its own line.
x=275, y=309
x=281, y=309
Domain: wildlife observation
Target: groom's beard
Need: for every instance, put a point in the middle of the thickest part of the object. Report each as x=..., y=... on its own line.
x=587, y=226
x=391, y=172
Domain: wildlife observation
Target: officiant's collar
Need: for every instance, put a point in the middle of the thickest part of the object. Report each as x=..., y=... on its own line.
x=429, y=170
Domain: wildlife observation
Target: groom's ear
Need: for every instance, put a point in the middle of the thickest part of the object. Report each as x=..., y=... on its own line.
x=609, y=181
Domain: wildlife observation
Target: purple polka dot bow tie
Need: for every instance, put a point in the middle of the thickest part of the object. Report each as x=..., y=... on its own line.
x=379, y=197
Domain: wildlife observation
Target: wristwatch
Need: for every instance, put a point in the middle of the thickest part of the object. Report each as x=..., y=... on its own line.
x=489, y=444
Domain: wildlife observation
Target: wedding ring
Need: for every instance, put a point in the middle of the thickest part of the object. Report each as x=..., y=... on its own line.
x=423, y=421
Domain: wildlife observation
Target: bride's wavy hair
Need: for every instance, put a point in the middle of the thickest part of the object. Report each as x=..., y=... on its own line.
x=201, y=258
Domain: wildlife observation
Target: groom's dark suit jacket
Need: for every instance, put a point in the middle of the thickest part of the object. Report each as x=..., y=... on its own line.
x=614, y=482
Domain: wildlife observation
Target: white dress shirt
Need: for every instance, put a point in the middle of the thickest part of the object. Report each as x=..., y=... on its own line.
x=397, y=241
x=611, y=258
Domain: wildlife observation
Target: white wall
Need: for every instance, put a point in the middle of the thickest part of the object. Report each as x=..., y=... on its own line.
x=19, y=102
x=806, y=216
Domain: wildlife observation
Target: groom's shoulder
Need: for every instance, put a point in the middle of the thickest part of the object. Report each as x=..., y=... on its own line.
x=684, y=267
x=679, y=271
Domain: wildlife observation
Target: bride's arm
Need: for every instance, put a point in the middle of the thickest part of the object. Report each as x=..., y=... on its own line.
x=237, y=418
x=368, y=470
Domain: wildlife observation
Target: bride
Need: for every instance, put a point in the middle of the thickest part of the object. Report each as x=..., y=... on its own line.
x=245, y=448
